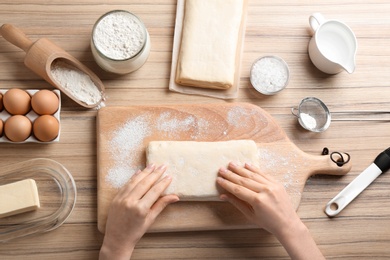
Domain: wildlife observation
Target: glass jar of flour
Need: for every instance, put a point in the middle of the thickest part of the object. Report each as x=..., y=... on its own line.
x=120, y=42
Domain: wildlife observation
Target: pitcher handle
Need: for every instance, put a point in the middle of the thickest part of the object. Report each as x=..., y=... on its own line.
x=315, y=20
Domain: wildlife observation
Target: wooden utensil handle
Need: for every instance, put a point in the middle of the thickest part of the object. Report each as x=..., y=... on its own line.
x=325, y=165
x=15, y=36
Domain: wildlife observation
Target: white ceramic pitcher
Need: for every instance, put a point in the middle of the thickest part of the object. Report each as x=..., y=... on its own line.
x=333, y=46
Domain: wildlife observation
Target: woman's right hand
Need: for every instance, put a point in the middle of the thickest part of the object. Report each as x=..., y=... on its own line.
x=262, y=199
x=265, y=202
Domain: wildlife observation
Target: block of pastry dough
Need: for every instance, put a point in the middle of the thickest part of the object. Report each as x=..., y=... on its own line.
x=18, y=197
x=209, y=43
x=194, y=165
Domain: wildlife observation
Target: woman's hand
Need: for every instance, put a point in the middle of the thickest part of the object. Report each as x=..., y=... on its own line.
x=265, y=202
x=133, y=211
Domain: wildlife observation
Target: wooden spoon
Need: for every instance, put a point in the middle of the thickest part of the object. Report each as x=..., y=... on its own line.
x=40, y=56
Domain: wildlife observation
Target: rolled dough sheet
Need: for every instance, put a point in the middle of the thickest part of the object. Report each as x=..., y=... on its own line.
x=194, y=165
x=209, y=44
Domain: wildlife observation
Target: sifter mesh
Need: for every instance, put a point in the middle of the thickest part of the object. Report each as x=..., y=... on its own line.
x=313, y=115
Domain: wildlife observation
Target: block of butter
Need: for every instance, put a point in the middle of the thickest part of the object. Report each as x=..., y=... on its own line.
x=209, y=43
x=18, y=197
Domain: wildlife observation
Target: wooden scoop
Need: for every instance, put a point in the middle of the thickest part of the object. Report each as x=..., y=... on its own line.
x=40, y=56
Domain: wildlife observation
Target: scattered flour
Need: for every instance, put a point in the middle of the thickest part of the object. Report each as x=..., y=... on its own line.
x=309, y=121
x=240, y=117
x=271, y=160
x=202, y=130
x=124, y=149
x=170, y=125
x=76, y=82
x=126, y=145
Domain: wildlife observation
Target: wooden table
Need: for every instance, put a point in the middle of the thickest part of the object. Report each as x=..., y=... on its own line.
x=280, y=27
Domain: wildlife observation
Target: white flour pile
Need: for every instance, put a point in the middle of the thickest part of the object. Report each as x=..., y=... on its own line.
x=76, y=82
x=309, y=121
x=119, y=35
x=269, y=75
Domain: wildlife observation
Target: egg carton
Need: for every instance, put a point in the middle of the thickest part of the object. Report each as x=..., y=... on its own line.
x=4, y=115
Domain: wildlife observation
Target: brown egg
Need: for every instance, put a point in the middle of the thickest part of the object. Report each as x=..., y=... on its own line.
x=1, y=127
x=17, y=101
x=45, y=102
x=1, y=102
x=46, y=128
x=17, y=128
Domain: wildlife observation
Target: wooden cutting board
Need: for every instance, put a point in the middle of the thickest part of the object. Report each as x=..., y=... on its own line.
x=124, y=132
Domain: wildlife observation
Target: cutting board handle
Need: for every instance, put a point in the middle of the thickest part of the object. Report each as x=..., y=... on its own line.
x=325, y=165
x=15, y=36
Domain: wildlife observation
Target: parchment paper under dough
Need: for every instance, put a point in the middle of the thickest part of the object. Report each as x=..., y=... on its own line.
x=229, y=93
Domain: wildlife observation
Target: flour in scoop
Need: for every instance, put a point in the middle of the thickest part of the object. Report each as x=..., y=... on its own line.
x=76, y=82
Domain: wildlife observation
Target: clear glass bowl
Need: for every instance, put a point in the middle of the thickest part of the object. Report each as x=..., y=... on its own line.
x=57, y=194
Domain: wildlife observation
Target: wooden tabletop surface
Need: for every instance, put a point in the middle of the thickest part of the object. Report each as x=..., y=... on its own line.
x=280, y=27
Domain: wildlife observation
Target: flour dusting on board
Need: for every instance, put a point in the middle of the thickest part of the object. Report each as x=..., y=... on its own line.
x=271, y=160
x=239, y=116
x=123, y=148
x=126, y=145
x=168, y=124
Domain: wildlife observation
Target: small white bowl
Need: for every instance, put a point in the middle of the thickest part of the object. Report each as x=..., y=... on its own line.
x=269, y=75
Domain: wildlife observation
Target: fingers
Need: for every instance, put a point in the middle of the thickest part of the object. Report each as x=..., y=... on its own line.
x=249, y=171
x=242, y=206
x=148, y=185
x=152, y=201
x=249, y=176
x=135, y=179
x=154, y=193
x=160, y=205
x=244, y=179
x=245, y=183
x=239, y=191
x=149, y=180
x=255, y=169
